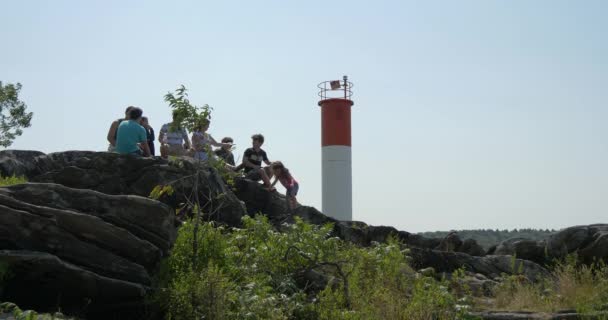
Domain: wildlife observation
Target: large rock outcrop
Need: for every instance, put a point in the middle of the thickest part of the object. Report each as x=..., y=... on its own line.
x=590, y=243
x=115, y=174
x=86, y=219
x=81, y=250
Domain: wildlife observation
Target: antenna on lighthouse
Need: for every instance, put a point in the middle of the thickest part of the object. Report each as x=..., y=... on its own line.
x=336, y=156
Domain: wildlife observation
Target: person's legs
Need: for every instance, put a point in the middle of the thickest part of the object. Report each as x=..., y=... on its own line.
x=164, y=150
x=291, y=196
x=257, y=175
x=174, y=150
x=265, y=178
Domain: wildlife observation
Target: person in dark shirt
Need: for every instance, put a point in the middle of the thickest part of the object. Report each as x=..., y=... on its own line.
x=225, y=153
x=149, y=132
x=252, y=160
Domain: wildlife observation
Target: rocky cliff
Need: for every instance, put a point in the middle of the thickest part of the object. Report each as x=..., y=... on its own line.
x=83, y=237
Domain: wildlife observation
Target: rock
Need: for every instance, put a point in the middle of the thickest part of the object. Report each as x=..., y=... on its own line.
x=142, y=217
x=428, y=272
x=522, y=315
x=116, y=174
x=523, y=249
x=471, y=247
x=489, y=266
x=590, y=243
x=19, y=162
x=476, y=284
x=44, y=282
x=54, y=238
x=450, y=243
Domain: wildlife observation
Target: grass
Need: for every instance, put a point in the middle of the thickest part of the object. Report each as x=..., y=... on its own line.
x=572, y=286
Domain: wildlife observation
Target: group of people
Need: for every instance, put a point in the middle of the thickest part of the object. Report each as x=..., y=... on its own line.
x=133, y=135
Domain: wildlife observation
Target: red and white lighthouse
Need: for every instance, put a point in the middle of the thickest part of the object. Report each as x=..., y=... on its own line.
x=336, y=154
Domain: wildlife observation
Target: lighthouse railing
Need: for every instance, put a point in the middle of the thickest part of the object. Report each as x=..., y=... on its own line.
x=335, y=89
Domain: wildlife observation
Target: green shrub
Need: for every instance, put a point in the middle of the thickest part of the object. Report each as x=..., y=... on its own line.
x=251, y=273
x=9, y=181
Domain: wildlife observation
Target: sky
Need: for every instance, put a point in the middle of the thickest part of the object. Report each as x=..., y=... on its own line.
x=468, y=114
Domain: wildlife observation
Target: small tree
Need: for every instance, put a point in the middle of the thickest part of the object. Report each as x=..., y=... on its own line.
x=188, y=115
x=13, y=115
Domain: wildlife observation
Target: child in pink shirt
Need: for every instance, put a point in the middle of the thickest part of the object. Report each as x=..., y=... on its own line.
x=291, y=185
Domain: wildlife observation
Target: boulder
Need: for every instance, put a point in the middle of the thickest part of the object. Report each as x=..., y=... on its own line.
x=44, y=282
x=523, y=249
x=450, y=243
x=80, y=250
x=492, y=267
x=589, y=242
x=19, y=163
x=525, y=315
x=115, y=174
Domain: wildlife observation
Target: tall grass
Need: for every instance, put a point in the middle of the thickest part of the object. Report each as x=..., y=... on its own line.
x=572, y=285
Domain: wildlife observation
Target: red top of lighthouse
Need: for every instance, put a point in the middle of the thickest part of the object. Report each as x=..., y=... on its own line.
x=335, y=106
x=335, y=89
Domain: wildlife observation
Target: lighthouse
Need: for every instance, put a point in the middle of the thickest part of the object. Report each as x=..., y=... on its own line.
x=336, y=156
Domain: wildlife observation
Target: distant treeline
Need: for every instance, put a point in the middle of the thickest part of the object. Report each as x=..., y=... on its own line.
x=488, y=237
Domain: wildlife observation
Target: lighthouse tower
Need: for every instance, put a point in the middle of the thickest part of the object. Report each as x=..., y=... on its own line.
x=336, y=155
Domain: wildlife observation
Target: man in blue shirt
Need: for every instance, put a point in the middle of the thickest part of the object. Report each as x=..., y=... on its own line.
x=131, y=137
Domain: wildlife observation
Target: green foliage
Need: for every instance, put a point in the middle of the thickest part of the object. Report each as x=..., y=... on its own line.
x=488, y=238
x=9, y=181
x=13, y=115
x=188, y=116
x=8, y=308
x=160, y=191
x=254, y=272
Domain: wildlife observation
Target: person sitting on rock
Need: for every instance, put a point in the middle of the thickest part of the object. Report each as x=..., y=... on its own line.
x=131, y=136
x=173, y=139
x=225, y=152
x=291, y=185
x=201, y=142
x=114, y=129
x=150, y=132
x=252, y=161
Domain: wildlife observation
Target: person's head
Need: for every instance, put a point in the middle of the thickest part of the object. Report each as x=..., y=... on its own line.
x=227, y=140
x=257, y=140
x=175, y=115
x=279, y=169
x=203, y=125
x=144, y=121
x=135, y=114
x=129, y=108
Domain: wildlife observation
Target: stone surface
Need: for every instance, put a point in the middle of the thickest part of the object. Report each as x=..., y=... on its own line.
x=519, y=315
x=523, y=249
x=115, y=174
x=589, y=242
x=80, y=250
x=87, y=221
x=43, y=282
x=490, y=266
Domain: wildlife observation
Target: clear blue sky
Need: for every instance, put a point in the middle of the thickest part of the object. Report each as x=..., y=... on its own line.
x=468, y=114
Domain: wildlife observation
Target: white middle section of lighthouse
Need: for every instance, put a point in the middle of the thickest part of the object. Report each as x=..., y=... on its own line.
x=337, y=182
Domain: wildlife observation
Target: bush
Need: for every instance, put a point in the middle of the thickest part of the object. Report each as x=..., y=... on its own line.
x=251, y=273
x=9, y=181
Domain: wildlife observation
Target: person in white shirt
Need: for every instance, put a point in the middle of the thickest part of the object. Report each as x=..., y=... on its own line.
x=173, y=139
